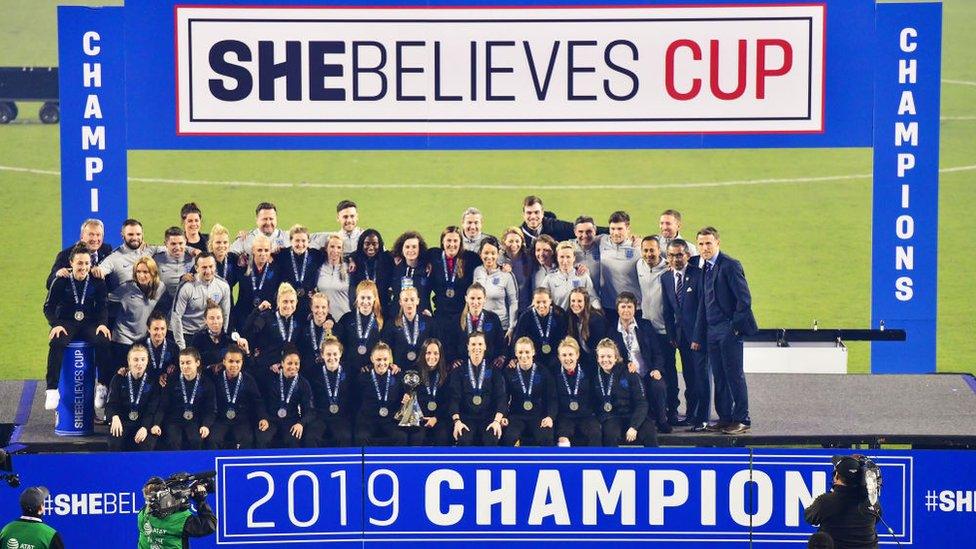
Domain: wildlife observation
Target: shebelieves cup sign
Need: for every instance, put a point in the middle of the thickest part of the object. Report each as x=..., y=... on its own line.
x=491, y=70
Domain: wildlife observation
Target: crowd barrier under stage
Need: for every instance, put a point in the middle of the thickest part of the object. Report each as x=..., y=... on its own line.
x=506, y=497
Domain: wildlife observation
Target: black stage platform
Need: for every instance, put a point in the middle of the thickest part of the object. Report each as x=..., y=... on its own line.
x=931, y=411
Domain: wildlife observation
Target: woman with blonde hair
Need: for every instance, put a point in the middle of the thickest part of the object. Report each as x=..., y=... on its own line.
x=359, y=329
x=532, y=400
x=259, y=282
x=576, y=425
x=139, y=297
x=565, y=278
x=228, y=266
x=621, y=405
x=333, y=277
x=268, y=331
x=299, y=265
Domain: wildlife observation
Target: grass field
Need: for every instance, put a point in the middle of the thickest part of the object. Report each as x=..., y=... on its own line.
x=805, y=244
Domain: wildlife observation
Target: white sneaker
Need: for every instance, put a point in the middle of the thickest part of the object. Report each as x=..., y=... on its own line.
x=51, y=399
x=101, y=393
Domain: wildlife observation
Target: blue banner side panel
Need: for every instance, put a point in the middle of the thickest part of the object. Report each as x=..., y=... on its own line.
x=151, y=97
x=91, y=57
x=502, y=497
x=906, y=184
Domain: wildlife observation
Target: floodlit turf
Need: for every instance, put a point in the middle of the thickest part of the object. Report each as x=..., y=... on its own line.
x=805, y=245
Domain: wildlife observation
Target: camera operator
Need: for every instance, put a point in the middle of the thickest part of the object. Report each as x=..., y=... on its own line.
x=29, y=530
x=167, y=528
x=845, y=512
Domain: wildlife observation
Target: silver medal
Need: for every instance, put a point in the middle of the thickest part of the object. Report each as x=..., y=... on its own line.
x=231, y=414
x=607, y=407
x=476, y=400
x=449, y=292
x=546, y=348
x=384, y=411
x=527, y=405
x=573, y=405
x=282, y=413
x=432, y=406
x=79, y=315
x=133, y=415
x=361, y=349
x=188, y=415
x=412, y=356
x=333, y=408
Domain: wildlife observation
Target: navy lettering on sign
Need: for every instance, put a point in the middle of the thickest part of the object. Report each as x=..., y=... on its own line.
x=220, y=65
x=357, y=69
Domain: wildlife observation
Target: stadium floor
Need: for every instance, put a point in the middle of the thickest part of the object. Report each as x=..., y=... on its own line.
x=934, y=410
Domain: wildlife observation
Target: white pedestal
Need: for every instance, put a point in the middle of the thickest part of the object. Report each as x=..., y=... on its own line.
x=800, y=358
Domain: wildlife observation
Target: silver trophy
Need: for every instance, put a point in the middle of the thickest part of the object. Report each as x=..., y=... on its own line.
x=410, y=414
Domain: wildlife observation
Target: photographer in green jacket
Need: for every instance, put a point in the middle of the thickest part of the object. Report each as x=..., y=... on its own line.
x=167, y=522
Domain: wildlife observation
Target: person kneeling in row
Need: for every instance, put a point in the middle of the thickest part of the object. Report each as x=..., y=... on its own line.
x=533, y=405
x=332, y=392
x=576, y=425
x=131, y=405
x=187, y=406
x=381, y=393
x=478, y=399
x=433, y=393
x=239, y=404
x=621, y=401
x=290, y=403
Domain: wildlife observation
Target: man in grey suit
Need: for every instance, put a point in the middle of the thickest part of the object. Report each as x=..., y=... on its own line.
x=724, y=317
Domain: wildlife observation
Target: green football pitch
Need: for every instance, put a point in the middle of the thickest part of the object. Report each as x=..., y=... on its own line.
x=800, y=220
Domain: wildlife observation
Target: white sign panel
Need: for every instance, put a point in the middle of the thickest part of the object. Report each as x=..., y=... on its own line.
x=471, y=70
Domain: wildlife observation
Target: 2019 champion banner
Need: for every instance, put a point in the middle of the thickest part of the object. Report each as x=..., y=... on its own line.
x=389, y=497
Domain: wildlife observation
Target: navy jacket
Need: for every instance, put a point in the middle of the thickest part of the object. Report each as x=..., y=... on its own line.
x=679, y=322
x=732, y=296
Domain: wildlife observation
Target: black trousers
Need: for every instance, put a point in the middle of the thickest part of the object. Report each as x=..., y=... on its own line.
x=656, y=399
x=724, y=350
x=328, y=432
x=526, y=431
x=127, y=443
x=78, y=330
x=379, y=432
x=477, y=433
x=615, y=430
x=581, y=431
x=441, y=434
x=670, y=375
x=698, y=383
x=182, y=435
x=278, y=435
x=228, y=434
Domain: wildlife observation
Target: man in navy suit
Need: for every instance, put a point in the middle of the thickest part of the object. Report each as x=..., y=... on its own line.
x=681, y=286
x=636, y=340
x=724, y=316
